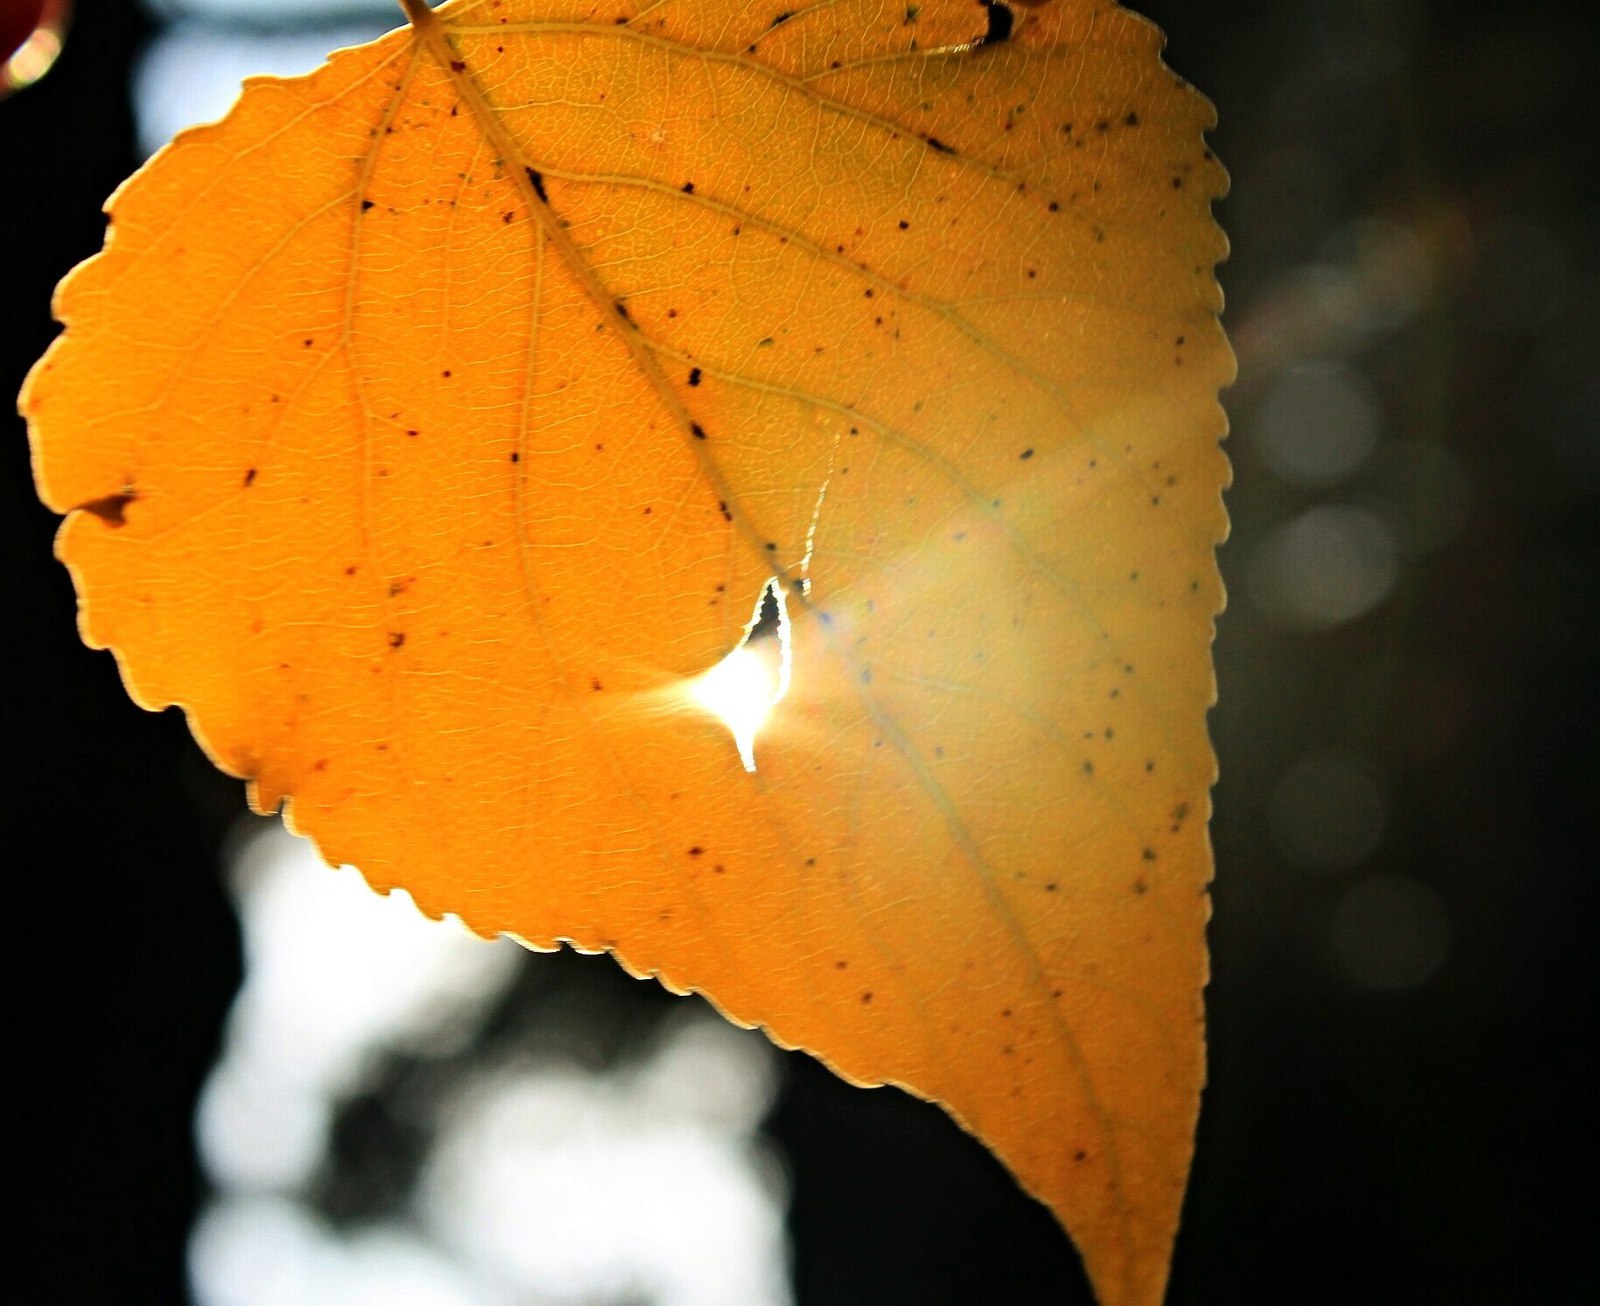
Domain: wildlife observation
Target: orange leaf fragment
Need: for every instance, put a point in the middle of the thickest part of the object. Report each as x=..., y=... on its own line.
x=432, y=424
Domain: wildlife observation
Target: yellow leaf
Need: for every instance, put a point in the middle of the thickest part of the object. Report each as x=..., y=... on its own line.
x=433, y=424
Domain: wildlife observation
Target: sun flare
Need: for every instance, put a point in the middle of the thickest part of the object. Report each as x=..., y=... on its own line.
x=745, y=686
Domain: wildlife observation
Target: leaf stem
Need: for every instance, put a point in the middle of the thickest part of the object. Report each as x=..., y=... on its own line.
x=418, y=12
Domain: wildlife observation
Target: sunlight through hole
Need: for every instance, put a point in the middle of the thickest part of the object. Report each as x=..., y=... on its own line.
x=745, y=686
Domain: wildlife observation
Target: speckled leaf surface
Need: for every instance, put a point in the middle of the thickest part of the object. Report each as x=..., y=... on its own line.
x=431, y=422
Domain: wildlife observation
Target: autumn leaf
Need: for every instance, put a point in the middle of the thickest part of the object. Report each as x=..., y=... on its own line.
x=431, y=426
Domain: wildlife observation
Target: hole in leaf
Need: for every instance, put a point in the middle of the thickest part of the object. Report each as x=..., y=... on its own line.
x=745, y=686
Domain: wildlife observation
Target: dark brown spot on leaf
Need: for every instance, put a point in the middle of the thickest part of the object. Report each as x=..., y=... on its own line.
x=111, y=509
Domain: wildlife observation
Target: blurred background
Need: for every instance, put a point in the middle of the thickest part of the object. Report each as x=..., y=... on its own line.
x=241, y=1080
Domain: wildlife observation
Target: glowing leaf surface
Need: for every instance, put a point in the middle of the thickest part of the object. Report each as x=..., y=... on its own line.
x=434, y=422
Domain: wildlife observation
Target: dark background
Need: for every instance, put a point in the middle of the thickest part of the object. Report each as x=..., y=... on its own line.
x=1360, y=1141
